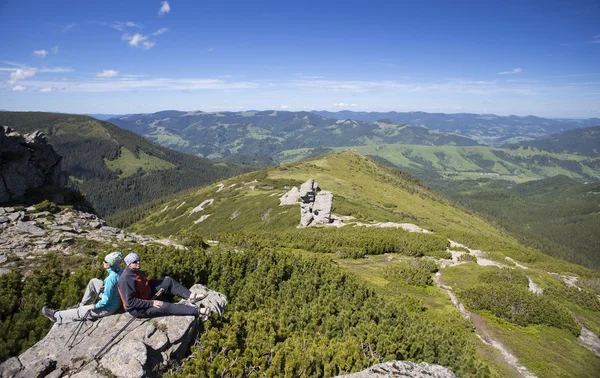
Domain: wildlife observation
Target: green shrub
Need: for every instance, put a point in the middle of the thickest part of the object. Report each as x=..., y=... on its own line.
x=467, y=257
x=518, y=305
x=440, y=254
x=503, y=276
x=47, y=205
x=409, y=274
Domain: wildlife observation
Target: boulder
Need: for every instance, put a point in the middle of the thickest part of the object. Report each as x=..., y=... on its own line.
x=316, y=205
x=27, y=162
x=402, y=369
x=144, y=348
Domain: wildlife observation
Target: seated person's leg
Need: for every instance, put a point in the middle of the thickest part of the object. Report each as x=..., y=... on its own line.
x=170, y=286
x=71, y=315
x=92, y=289
x=165, y=310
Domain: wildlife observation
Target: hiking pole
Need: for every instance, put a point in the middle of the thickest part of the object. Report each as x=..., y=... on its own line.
x=80, y=325
x=158, y=294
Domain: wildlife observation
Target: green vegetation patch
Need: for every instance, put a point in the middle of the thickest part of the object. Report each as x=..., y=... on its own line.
x=128, y=164
x=518, y=305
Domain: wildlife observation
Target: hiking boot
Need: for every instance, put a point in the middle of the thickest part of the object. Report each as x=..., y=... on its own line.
x=49, y=313
x=204, y=313
x=195, y=298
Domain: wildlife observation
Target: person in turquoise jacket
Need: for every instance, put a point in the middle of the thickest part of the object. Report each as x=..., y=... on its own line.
x=106, y=290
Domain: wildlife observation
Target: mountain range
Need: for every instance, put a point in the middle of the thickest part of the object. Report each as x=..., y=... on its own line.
x=487, y=129
x=218, y=135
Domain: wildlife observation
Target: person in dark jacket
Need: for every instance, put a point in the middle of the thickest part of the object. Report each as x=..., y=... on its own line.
x=136, y=292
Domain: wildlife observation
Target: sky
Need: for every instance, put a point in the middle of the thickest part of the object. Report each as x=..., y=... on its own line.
x=508, y=57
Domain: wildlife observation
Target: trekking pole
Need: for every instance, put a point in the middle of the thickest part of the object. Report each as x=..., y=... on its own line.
x=80, y=325
x=158, y=294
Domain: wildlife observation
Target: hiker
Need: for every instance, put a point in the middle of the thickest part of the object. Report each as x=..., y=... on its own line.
x=107, y=291
x=136, y=293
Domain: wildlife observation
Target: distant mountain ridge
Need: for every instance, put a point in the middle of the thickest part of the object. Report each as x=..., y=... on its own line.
x=115, y=168
x=486, y=129
x=218, y=135
x=584, y=141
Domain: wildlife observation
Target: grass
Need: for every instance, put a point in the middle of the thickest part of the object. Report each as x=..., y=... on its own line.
x=470, y=163
x=129, y=164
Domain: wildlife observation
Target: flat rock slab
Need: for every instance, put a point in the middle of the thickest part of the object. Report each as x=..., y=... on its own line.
x=403, y=369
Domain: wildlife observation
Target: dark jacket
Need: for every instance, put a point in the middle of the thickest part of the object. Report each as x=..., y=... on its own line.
x=134, y=289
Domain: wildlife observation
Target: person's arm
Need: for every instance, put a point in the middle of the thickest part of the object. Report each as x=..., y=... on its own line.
x=127, y=292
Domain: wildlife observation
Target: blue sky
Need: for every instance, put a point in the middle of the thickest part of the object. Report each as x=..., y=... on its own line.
x=504, y=57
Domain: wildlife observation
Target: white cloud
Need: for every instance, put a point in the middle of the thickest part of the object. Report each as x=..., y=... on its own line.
x=55, y=50
x=18, y=88
x=121, y=26
x=107, y=73
x=55, y=69
x=20, y=74
x=68, y=27
x=41, y=53
x=342, y=105
x=48, y=89
x=511, y=72
x=158, y=84
x=138, y=40
x=164, y=8
x=160, y=31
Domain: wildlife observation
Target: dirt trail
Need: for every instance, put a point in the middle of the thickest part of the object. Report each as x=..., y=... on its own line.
x=480, y=325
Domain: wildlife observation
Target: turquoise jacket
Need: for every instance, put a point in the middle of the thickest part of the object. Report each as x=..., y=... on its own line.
x=110, y=298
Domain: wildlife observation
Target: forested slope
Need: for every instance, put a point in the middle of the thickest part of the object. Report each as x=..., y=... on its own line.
x=584, y=141
x=115, y=168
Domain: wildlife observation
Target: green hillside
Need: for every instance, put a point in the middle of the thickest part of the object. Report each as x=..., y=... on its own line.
x=442, y=163
x=584, y=141
x=557, y=215
x=265, y=133
x=115, y=168
x=489, y=274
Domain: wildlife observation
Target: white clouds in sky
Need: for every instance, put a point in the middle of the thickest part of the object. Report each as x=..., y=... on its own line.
x=164, y=8
x=160, y=31
x=48, y=89
x=18, y=88
x=343, y=105
x=511, y=72
x=20, y=74
x=121, y=26
x=138, y=40
x=107, y=73
x=41, y=53
x=55, y=50
x=68, y=27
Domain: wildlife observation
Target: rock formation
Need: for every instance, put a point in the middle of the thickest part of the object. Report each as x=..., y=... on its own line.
x=145, y=348
x=315, y=205
x=27, y=162
x=403, y=369
x=27, y=233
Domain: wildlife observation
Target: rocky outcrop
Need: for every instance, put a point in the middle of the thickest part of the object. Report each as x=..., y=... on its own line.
x=403, y=369
x=28, y=233
x=145, y=348
x=315, y=205
x=27, y=162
